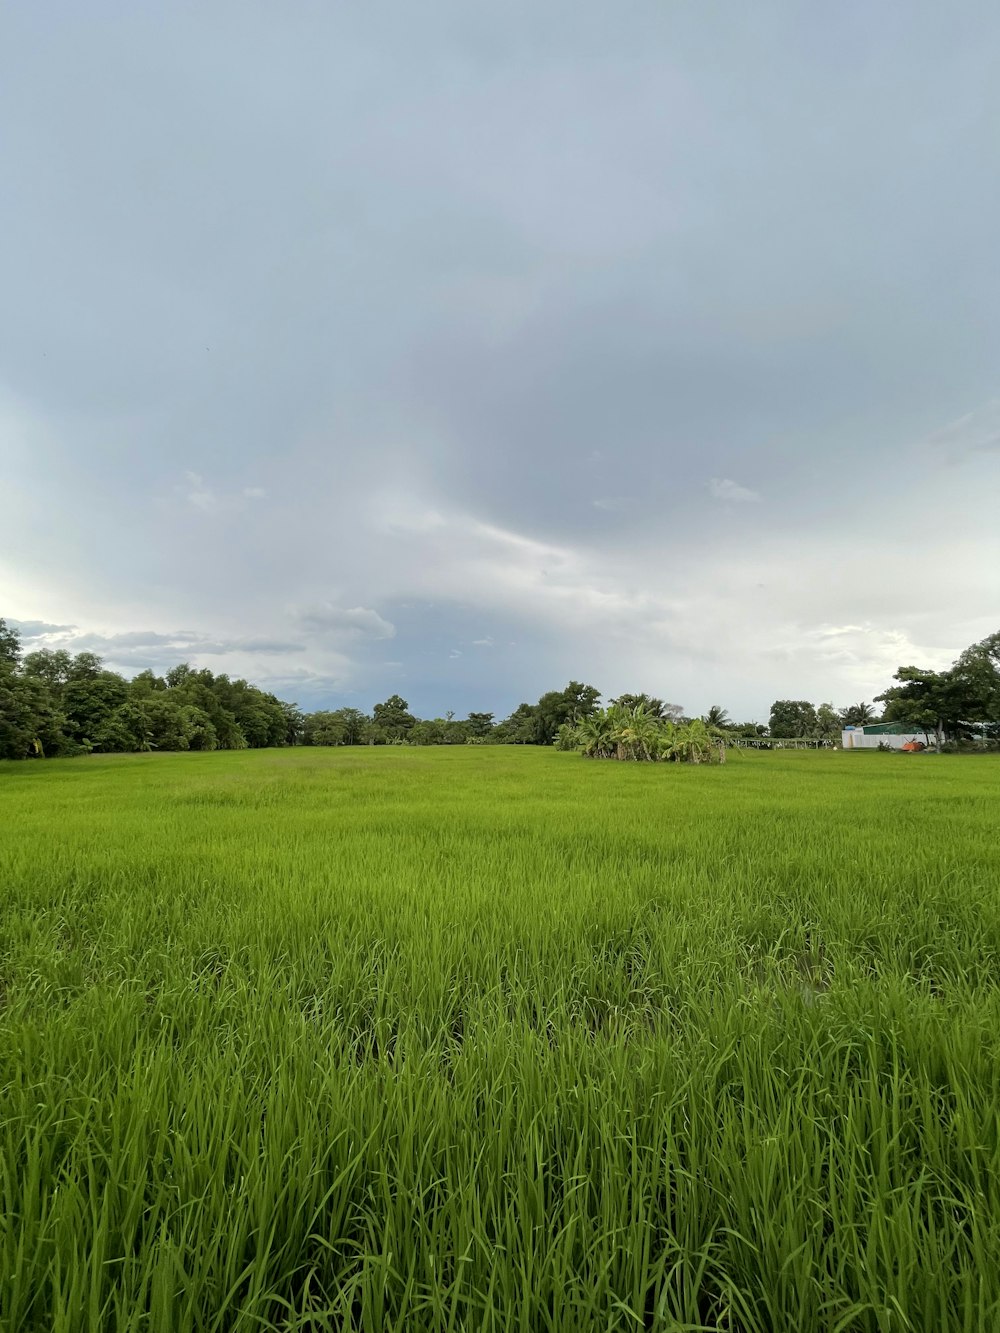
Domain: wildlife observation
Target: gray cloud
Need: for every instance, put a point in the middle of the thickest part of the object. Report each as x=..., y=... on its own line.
x=269, y=646
x=976, y=432
x=150, y=646
x=455, y=324
x=39, y=629
x=349, y=622
x=731, y=492
x=200, y=496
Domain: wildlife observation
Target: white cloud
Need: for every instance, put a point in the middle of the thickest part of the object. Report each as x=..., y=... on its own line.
x=482, y=643
x=731, y=492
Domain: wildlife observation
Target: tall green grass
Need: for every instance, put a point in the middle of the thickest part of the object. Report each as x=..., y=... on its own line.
x=499, y=1039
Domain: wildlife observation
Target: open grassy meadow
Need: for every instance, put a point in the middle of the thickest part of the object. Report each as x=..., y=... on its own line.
x=500, y=1039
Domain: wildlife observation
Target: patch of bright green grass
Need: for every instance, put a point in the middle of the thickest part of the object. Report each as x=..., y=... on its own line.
x=499, y=1039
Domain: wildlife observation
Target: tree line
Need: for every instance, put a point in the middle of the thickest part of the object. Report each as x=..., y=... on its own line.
x=956, y=705
x=53, y=703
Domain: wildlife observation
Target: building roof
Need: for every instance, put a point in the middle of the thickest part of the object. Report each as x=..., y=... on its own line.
x=891, y=729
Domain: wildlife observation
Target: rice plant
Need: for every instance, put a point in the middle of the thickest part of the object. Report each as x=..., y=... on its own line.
x=494, y=1039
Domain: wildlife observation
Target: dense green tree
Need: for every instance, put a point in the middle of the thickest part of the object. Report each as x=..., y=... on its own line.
x=746, y=730
x=179, y=675
x=943, y=704
x=146, y=682
x=128, y=730
x=828, y=723
x=520, y=728
x=341, y=726
x=10, y=646
x=31, y=722
x=358, y=726
x=978, y=672
x=791, y=718
x=572, y=704
x=431, y=731
x=52, y=667
x=175, y=725
x=89, y=698
x=392, y=719
x=935, y=702
x=13, y=732
x=55, y=704
x=324, y=728
x=480, y=724
x=295, y=721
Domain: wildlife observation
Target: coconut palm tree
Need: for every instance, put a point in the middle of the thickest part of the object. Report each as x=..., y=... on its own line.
x=717, y=717
x=655, y=707
x=857, y=715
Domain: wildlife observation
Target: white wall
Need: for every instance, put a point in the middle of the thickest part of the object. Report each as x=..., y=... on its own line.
x=857, y=740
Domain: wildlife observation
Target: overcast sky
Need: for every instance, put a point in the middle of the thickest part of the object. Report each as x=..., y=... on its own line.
x=463, y=348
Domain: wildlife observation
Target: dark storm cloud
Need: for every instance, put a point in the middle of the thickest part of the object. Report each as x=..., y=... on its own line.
x=630, y=337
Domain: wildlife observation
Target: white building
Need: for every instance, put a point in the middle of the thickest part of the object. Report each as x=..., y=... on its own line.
x=894, y=734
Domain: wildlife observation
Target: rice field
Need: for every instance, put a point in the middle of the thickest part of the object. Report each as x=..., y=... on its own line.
x=499, y=1039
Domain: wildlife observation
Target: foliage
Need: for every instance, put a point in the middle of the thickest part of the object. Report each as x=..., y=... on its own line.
x=857, y=715
x=746, y=730
x=53, y=704
x=494, y=1039
x=829, y=724
x=539, y=724
x=572, y=704
x=655, y=707
x=479, y=725
x=520, y=728
x=792, y=718
x=620, y=732
x=392, y=720
x=717, y=719
x=943, y=703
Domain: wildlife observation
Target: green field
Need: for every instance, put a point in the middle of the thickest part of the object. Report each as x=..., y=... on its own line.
x=491, y=1038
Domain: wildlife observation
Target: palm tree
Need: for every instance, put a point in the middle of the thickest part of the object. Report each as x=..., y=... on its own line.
x=696, y=744
x=857, y=715
x=638, y=734
x=717, y=718
x=596, y=735
x=620, y=732
x=654, y=707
